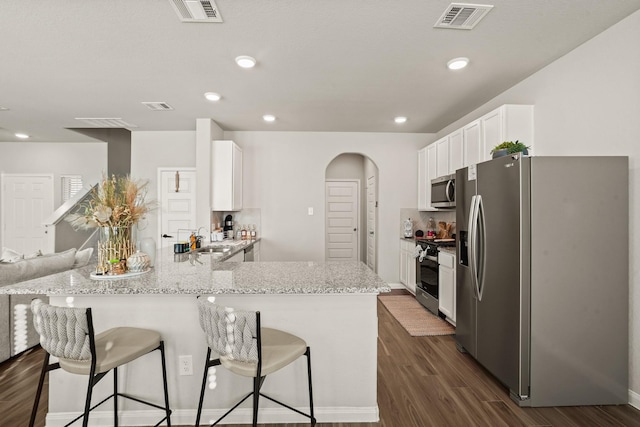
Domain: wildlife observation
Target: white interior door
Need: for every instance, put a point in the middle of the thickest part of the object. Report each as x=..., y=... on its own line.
x=342, y=212
x=177, y=199
x=26, y=201
x=371, y=222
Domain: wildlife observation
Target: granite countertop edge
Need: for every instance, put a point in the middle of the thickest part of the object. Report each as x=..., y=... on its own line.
x=210, y=276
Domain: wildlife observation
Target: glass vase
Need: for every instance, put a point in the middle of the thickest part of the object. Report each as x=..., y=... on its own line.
x=115, y=245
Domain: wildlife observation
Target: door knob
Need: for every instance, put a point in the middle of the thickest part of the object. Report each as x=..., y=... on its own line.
x=166, y=236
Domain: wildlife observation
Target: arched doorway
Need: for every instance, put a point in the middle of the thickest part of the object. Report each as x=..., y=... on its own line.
x=351, y=194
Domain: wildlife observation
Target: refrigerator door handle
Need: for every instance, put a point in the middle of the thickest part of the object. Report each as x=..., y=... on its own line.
x=479, y=256
x=472, y=245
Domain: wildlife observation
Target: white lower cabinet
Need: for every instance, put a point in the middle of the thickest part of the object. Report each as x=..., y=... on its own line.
x=239, y=257
x=447, y=285
x=408, y=265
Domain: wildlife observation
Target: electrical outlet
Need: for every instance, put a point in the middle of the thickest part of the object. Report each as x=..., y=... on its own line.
x=185, y=365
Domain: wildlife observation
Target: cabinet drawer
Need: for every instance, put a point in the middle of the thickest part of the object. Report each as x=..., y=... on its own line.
x=446, y=259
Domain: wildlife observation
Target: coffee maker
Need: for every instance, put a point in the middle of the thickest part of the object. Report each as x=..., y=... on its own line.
x=228, y=227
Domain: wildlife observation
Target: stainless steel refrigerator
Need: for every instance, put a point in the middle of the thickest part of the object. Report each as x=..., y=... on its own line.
x=543, y=276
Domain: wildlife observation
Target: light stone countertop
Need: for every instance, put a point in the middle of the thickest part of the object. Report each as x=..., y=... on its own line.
x=206, y=274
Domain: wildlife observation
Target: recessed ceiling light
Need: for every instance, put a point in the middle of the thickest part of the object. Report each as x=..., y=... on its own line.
x=4, y=109
x=212, y=96
x=458, y=63
x=245, y=61
x=400, y=119
x=269, y=118
x=22, y=135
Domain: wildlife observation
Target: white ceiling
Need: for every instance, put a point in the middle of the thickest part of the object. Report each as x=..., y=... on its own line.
x=330, y=65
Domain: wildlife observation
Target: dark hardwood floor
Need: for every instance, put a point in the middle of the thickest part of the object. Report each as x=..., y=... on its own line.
x=422, y=381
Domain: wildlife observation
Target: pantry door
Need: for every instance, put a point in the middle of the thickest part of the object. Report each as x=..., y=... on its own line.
x=342, y=214
x=177, y=199
x=27, y=200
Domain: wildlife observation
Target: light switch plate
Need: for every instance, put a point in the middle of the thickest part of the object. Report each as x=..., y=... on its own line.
x=310, y=211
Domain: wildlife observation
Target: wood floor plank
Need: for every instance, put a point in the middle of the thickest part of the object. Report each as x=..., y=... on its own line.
x=422, y=382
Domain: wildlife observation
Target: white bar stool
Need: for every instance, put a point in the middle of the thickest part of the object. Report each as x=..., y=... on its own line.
x=247, y=349
x=67, y=333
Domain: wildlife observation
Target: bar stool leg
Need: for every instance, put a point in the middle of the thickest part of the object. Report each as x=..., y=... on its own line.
x=43, y=372
x=87, y=404
x=256, y=397
x=204, y=385
x=164, y=382
x=115, y=397
x=308, y=354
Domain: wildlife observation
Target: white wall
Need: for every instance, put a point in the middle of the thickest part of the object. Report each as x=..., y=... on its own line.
x=151, y=150
x=88, y=159
x=588, y=103
x=284, y=174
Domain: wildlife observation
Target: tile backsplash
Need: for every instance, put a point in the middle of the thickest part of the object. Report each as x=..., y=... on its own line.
x=421, y=219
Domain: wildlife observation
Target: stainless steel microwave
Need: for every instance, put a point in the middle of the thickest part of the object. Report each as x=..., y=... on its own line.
x=443, y=192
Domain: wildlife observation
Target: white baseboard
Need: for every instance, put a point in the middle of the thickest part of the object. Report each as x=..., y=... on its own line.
x=239, y=416
x=634, y=399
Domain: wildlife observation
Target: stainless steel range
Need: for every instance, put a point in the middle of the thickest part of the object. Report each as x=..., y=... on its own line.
x=427, y=274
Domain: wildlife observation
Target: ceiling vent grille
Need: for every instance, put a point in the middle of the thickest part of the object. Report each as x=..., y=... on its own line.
x=158, y=106
x=197, y=10
x=462, y=16
x=108, y=122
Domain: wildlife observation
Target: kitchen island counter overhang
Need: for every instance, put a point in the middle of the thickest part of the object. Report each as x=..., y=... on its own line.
x=332, y=306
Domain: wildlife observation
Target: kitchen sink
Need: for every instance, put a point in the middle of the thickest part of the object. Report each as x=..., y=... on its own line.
x=214, y=249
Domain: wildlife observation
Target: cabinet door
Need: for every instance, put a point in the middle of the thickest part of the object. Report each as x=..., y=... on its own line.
x=507, y=123
x=473, y=146
x=237, y=178
x=411, y=272
x=442, y=153
x=432, y=163
x=447, y=285
x=239, y=257
x=456, y=151
x=491, y=132
x=403, y=266
x=424, y=185
x=226, y=176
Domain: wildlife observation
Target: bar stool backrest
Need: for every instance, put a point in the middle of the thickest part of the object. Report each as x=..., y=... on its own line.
x=64, y=331
x=230, y=333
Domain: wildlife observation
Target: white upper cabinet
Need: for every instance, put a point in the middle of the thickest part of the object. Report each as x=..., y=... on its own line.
x=431, y=165
x=474, y=150
x=456, y=151
x=472, y=144
x=442, y=156
x=424, y=189
x=427, y=160
x=226, y=176
x=507, y=123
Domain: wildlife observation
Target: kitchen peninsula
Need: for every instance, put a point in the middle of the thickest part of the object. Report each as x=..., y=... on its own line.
x=332, y=306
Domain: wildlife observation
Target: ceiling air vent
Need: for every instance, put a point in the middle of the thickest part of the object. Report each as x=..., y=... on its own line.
x=462, y=16
x=109, y=122
x=158, y=106
x=197, y=10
